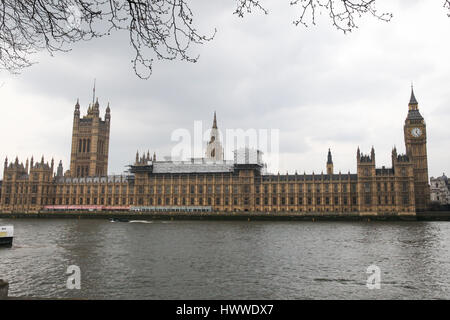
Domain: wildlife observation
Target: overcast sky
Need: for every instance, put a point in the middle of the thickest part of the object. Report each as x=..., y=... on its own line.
x=322, y=89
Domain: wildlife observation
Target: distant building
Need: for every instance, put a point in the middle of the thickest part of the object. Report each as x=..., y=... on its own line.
x=241, y=184
x=440, y=190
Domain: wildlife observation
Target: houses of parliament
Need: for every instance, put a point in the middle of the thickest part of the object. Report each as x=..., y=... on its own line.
x=212, y=182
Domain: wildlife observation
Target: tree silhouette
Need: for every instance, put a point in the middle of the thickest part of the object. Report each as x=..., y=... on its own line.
x=161, y=29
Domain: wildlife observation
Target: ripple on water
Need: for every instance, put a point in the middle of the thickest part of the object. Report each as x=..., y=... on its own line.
x=228, y=260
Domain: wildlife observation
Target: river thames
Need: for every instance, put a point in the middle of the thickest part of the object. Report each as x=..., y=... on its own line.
x=227, y=259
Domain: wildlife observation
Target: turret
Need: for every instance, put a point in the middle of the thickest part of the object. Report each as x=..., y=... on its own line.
x=76, y=113
x=96, y=109
x=366, y=163
x=108, y=113
x=394, y=155
x=366, y=158
x=59, y=171
x=329, y=163
x=214, y=121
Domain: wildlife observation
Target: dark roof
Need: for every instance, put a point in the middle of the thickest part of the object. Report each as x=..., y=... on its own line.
x=330, y=159
x=414, y=115
x=412, y=100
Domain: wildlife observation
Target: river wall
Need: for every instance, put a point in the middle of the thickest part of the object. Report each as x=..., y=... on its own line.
x=281, y=216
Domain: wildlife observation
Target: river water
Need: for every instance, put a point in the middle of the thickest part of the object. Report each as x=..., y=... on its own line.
x=227, y=259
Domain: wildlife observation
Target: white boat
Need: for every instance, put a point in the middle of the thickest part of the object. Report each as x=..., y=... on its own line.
x=140, y=221
x=6, y=235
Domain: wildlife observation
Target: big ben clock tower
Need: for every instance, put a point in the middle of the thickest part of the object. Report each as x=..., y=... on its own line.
x=416, y=148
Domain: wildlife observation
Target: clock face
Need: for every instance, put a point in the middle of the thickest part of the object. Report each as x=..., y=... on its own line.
x=416, y=132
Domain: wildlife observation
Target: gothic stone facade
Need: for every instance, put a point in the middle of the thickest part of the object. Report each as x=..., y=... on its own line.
x=90, y=142
x=223, y=185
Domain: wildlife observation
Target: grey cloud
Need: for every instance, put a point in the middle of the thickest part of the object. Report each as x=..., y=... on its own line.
x=319, y=87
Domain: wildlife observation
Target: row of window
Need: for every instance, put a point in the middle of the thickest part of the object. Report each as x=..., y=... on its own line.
x=368, y=186
x=246, y=188
x=385, y=200
x=236, y=189
x=167, y=189
x=84, y=146
x=217, y=201
x=22, y=189
x=82, y=171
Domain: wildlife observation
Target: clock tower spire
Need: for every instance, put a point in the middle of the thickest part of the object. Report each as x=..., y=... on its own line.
x=416, y=149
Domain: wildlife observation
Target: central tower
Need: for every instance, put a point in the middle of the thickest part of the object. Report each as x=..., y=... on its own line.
x=415, y=132
x=214, y=148
x=90, y=142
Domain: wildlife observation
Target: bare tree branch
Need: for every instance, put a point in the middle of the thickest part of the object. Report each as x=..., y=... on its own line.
x=161, y=29
x=245, y=6
x=341, y=12
x=157, y=28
